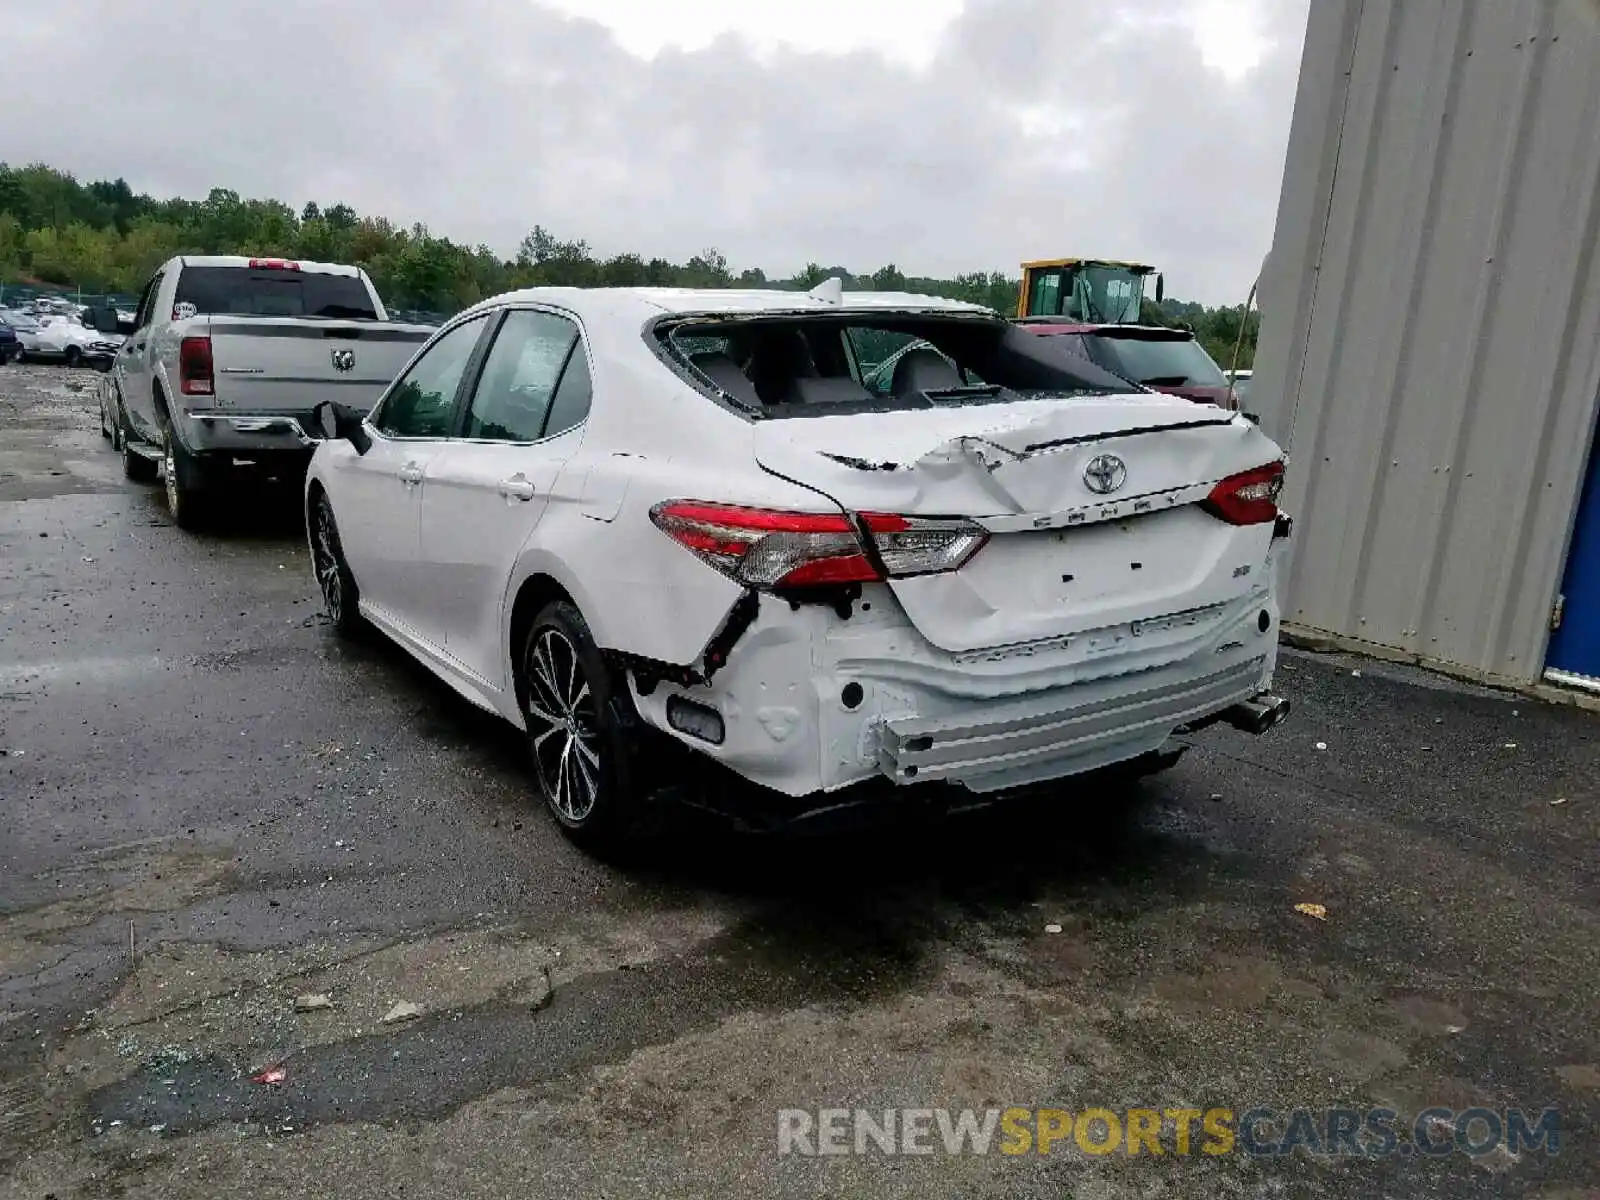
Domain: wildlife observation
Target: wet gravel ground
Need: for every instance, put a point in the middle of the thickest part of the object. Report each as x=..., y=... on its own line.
x=210, y=807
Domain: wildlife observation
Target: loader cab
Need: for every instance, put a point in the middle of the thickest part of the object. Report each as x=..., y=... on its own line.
x=1092, y=291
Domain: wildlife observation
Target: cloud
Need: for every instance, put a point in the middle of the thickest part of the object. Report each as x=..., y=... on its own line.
x=1037, y=128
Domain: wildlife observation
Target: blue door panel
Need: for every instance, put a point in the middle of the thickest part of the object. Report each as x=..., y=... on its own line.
x=1575, y=646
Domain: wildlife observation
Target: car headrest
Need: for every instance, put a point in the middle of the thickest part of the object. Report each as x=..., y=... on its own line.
x=924, y=369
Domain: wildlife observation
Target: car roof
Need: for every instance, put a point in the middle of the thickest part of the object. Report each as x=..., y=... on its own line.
x=645, y=302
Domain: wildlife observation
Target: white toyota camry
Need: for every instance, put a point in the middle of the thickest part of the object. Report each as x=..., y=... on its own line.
x=603, y=513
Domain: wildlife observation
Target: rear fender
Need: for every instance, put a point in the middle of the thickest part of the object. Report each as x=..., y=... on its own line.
x=641, y=593
x=636, y=599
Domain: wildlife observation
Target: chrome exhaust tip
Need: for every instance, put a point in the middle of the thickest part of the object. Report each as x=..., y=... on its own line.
x=1258, y=714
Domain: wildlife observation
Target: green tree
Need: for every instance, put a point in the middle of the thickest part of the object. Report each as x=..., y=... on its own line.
x=888, y=279
x=811, y=275
x=103, y=234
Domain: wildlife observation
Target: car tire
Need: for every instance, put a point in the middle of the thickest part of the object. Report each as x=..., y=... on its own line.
x=341, y=597
x=72, y=357
x=181, y=479
x=582, y=729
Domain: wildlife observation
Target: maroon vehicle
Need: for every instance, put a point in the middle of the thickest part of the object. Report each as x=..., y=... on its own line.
x=1168, y=360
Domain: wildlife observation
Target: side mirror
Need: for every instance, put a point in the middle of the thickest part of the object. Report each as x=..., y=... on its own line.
x=338, y=421
x=1161, y=288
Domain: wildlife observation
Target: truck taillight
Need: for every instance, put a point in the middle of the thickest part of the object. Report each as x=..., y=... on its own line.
x=273, y=264
x=1248, y=498
x=773, y=549
x=194, y=366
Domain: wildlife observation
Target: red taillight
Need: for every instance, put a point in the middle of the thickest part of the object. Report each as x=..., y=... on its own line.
x=194, y=366
x=766, y=548
x=922, y=545
x=1248, y=498
x=273, y=264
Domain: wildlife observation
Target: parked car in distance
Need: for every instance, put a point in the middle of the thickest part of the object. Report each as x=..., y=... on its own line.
x=10, y=343
x=227, y=359
x=24, y=326
x=54, y=306
x=19, y=321
x=1241, y=385
x=68, y=340
x=623, y=514
x=1167, y=360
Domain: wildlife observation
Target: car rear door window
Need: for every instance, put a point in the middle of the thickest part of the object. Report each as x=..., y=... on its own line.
x=422, y=403
x=520, y=375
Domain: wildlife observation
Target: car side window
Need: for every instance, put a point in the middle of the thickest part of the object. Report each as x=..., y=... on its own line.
x=520, y=376
x=422, y=403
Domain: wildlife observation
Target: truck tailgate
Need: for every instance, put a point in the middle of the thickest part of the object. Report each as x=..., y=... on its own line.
x=269, y=364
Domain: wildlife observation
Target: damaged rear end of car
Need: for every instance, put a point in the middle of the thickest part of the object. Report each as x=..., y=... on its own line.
x=1013, y=570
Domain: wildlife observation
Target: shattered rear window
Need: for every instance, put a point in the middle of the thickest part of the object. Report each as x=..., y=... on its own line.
x=768, y=367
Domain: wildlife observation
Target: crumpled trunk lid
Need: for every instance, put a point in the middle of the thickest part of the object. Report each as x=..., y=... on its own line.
x=1092, y=506
x=1201, y=395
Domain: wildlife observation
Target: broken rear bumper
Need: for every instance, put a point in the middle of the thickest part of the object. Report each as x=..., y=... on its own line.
x=811, y=702
x=1065, y=731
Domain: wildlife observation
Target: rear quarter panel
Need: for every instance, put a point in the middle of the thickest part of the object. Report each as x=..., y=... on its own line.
x=639, y=591
x=651, y=438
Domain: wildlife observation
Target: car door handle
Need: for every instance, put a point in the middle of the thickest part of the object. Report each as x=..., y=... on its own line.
x=410, y=474
x=519, y=486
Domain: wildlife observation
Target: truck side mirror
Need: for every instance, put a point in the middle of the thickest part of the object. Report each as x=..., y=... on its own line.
x=1161, y=288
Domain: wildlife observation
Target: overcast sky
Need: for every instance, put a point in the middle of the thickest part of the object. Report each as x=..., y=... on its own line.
x=942, y=136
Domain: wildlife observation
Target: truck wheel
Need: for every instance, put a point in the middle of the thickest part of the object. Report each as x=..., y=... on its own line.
x=182, y=477
x=340, y=595
x=73, y=357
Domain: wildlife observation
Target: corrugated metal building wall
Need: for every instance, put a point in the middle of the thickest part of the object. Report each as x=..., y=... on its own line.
x=1431, y=343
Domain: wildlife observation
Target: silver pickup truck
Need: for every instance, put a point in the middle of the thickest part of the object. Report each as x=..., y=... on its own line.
x=227, y=359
